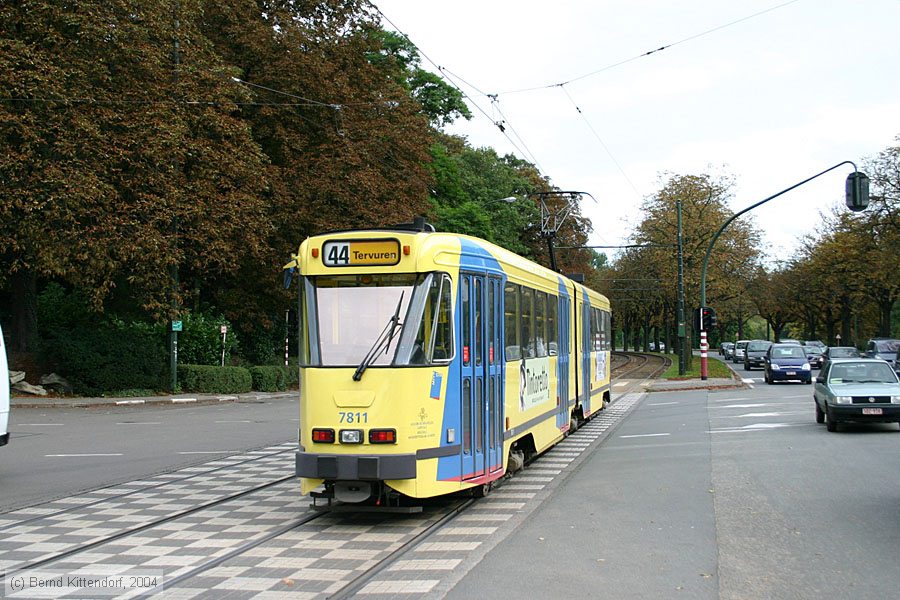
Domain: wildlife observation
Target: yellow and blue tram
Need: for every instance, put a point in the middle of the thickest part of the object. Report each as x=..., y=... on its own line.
x=435, y=362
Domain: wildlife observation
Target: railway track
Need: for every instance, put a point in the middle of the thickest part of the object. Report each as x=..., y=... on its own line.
x=240, y=524
x=107, y=494
x=636, y=365
x=268, y=536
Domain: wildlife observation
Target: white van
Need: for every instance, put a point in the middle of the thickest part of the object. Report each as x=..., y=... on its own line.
x=4, y=393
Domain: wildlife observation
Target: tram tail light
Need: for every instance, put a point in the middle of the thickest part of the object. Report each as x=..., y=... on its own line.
x=323, y=436
x=382, y=436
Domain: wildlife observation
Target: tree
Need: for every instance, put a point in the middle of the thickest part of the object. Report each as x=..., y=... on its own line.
x=399, y=58
x=733, y=261
x=115, y=179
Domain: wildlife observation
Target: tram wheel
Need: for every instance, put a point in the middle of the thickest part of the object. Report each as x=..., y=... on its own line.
x=480, y=491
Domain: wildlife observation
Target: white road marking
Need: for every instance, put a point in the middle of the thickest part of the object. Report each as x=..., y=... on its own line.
x=620, y=384
x=77, y=455
x=208, y=452
x=644, y=435
x=767, y=414
x=232, y=421
x=661, y=403
x=184, y=399
x=754, y=427
x=130, y=401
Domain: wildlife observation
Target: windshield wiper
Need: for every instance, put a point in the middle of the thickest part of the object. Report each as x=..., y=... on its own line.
x=382, y=342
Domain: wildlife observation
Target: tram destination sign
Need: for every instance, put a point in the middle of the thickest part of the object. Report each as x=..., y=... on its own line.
x=361, y=253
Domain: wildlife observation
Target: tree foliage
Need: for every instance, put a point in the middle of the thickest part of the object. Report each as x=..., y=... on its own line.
x=163, y=159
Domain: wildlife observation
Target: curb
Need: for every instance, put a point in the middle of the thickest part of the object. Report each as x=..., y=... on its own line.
x=29, y=402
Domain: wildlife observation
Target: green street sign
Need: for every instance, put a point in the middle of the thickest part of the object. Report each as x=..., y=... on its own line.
x=176, y=325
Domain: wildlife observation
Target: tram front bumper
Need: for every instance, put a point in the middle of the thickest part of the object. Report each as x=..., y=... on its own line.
x=354, y=467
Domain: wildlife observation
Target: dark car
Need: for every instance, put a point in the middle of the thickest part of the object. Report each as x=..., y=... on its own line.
x=857, y=389
x=755, y=354
x=787, y=362
x=814, y=355
x=883, y=348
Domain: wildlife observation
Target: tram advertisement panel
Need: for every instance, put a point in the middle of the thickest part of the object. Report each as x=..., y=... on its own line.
x=601, y=366
x=534, y=382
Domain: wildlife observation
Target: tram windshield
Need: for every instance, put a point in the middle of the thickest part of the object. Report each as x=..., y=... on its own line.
x=351, y=311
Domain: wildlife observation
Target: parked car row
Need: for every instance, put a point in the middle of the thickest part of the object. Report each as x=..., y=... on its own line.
x=751, y=352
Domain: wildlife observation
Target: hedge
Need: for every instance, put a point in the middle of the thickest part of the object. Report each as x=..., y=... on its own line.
x=269, y=379
x=214, y=380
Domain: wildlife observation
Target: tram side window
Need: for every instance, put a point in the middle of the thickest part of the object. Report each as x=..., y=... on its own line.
x=604, y=329
x=595, y=329
x=527, y=322
x=511, y=321
x=466, y=333
x=552, y=330
x=540, y=324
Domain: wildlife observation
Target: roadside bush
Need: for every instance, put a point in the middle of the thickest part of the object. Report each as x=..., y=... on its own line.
x=96, y=354
x=263, y=344
x=200, y=341
x=208, y=379
x=269, y=379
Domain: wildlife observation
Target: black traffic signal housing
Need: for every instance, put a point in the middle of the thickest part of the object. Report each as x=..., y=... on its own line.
x=707, y=318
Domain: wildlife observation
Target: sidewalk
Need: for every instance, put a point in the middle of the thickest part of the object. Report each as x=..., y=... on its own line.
x=677, y=385
x=186, y=398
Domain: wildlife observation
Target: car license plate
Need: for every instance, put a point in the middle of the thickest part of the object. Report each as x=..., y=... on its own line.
x=871, y=411
x=792, y=372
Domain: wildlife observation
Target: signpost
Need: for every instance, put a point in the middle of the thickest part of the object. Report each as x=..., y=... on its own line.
x=224, y=331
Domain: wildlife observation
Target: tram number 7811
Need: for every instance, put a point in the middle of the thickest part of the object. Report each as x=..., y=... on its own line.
x=354, y=417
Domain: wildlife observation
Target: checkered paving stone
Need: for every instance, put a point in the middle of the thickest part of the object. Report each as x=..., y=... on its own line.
x=69, y=523
x=434, y=560
x=314, y=565
x=309, y=563
x=176, y=551
x=313, y=562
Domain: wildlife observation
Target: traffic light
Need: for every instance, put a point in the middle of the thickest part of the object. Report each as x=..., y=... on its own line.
x=705, y=318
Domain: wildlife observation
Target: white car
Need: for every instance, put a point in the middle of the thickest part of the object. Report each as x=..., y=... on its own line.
x=4, y=394
x=740, y=348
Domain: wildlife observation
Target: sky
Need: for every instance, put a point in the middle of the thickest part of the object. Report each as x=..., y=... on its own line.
x=767, y=92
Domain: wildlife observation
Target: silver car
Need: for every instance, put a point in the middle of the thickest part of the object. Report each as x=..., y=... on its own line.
x=857, y=389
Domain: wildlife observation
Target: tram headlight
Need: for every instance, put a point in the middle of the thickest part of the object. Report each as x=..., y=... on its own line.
x=351, y=436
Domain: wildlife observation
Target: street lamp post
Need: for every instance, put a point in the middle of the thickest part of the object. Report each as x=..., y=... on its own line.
x=857, y=199
x=682, y=353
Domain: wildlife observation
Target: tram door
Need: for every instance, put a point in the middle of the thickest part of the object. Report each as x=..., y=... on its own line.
x=481, y=373
x=562, y=361
x=586, y=341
